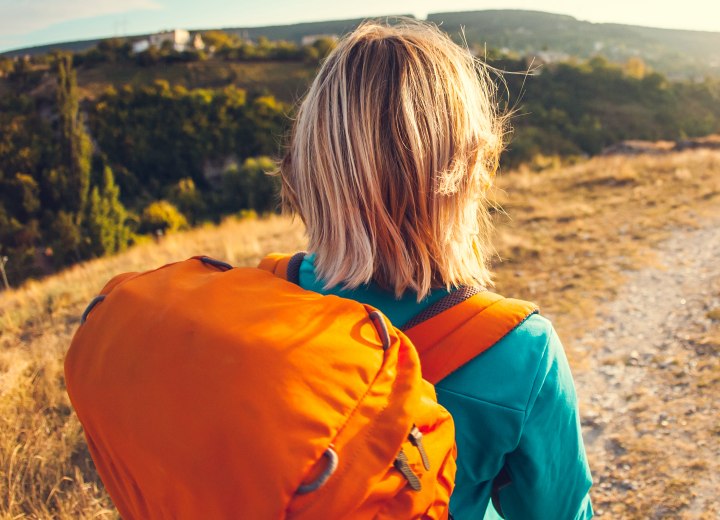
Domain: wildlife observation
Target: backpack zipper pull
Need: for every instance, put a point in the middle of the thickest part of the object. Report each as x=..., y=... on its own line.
x=415, y=439
x=403, y=466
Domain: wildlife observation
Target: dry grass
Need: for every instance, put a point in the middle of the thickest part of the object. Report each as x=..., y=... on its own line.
x=569, y=234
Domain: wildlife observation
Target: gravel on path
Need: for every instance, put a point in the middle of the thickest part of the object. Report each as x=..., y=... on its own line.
x=641, y=400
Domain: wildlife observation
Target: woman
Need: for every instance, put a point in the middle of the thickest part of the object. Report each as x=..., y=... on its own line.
x=391, y=156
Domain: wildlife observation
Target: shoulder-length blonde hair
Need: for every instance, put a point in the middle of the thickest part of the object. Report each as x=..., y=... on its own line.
x=390, y=159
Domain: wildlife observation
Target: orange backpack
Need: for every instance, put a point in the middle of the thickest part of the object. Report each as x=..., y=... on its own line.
x=207, y=391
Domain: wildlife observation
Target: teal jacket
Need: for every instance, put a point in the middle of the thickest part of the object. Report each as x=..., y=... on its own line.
x=514, y=407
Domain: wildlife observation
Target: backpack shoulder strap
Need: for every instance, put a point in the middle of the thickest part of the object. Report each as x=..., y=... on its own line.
x=283, y=265
x=450, y=332
x=460, y=326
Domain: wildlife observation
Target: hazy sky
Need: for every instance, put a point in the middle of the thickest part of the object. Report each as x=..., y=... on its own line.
x=33, y=22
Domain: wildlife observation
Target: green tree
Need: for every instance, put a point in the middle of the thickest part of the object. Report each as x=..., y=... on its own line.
x=220, y=40
x=22, y=200
x=106, y=231
x=187, y=198
x=250, y=186
x=324, y=46
x=73, y=141
x=65, y=238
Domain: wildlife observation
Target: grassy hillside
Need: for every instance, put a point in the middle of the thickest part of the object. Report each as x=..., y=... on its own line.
x=286, y=80
x=566, y=239
x=73, y=46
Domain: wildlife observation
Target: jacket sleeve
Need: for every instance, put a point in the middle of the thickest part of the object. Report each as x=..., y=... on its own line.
x=549, y=472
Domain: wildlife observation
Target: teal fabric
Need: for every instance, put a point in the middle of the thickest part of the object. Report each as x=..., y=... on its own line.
x=531, y=426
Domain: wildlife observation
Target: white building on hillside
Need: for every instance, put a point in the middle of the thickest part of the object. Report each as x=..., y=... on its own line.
x=312, y=38
x=179, y=39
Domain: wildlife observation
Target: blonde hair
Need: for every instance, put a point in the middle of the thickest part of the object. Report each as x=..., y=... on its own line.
x=390, y=158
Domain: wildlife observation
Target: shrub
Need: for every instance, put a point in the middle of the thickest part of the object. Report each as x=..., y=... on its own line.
x=162, y=216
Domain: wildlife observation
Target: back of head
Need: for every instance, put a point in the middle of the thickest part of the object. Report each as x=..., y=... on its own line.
x=391, y=155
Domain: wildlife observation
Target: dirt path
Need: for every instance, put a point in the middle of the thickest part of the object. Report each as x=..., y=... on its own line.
x=651, y=399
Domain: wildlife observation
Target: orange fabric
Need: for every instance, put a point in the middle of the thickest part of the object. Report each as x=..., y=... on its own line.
x=116, y=280
x=276, y=263
x=206, y=393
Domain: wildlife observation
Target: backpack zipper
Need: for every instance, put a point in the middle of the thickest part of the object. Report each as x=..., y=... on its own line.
x=415, y=438
x=403, y=466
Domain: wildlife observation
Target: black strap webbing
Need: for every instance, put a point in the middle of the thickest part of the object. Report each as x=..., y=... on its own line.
x=502, y=480
x=293, y=268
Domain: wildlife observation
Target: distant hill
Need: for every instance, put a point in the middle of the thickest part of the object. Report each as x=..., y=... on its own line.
x=550, y=37
x=675, y=53
x=296, y=32
x=75, y=46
